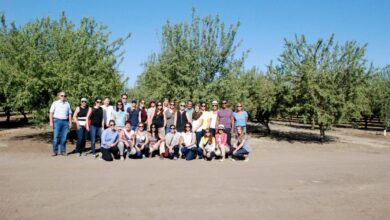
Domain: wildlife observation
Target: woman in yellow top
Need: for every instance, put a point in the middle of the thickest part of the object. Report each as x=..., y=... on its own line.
x=207, y=144
x=206, y=117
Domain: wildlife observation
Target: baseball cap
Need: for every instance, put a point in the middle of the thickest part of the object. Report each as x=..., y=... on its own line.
x=84, y=100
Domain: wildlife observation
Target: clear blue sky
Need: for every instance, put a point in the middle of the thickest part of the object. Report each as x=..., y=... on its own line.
x=264, y=24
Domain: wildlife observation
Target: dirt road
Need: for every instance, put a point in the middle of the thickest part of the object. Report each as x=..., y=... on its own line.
x=283, y=179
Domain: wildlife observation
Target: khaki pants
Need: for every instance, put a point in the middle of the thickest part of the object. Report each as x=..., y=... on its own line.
x=160, y=147
x=221, y=151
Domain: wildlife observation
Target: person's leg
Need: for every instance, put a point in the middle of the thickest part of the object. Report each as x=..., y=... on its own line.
x=84, y=140
x=200, y=152
x=198, y=136
x=56, y=134
x=176, y=149
x=162, y=148
x=191, y=154
x=106, y=154
x=145, y=151
x=115, y=151
x=244, y=129
x=167, y=130
x=64, y=133
x=240, y=154
x=229, y=136
x=80, y=138
x=213, y=131
x=93, y=131
x=121, y=148
x=134, y=127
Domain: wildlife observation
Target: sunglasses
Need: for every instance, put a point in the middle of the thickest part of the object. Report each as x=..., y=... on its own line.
x=172, y=104
x=188, y=126
x=140, y=126
x=224, y=103
x=119, y=104
x=159, y=105
x=182, y=105
x=112, y=125
x=124, y=98
x=62, y=95
x=239, y=106
x=84, y=101
x=215, y=105
x=203, y=106
x=98, y=101
x=173, y=128
x=152, y=127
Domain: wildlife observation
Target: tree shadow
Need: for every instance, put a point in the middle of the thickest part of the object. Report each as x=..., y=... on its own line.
x=14, y=124
x=259, y=131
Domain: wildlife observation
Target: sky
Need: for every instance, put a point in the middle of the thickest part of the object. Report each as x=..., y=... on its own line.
x=264, y=24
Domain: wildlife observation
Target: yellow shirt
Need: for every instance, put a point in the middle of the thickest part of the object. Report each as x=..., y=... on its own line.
x=206, y=116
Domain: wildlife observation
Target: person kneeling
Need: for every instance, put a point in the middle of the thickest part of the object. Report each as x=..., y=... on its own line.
x=141, y=142
x=188, y=143
x=241, y=147
x=172, y=142
x=110, y=140
x=207, y=144
x=222, y=147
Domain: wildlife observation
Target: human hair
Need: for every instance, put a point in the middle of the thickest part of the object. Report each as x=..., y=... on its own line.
x=127, y=122
x=124, y=94
x=112, y=121
x=190, y=125
x=242, y=132
x=155, y=133
x=157, y=109
x=196, y=115
x=122, y=108
x=210, y=138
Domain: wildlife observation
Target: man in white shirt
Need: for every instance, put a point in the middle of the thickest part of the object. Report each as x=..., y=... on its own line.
x=61, y=121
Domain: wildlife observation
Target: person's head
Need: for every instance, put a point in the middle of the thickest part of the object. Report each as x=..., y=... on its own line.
x=124, y=98
x=98, y=102
x=203, y=106
x=240, y=131
x=197, y=113
x=141, y=126
x=239, y=107
x=215, y=105
x=188, y=127
x=166, y=103
x=159, y=106
x=83, y=102
x=142, y=103
x=196, y=108
x=134, y=103
x=152, y=103
x=189, y=104
x=182, y=106
x=128, y=126
x=106, y=101
x=172, y=104
x=153, y=129
x=224, y=103
x=221, y=128
x=172, y=129
x=62, y=96
x=208, y=135
x=112, y=124
x=119, y=106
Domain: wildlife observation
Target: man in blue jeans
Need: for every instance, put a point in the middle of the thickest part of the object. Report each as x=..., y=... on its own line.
x=61, y=121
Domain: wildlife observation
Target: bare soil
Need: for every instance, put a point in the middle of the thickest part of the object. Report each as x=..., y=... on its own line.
x=290, y=175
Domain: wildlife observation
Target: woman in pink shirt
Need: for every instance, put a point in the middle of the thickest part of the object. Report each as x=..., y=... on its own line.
x=221, y=146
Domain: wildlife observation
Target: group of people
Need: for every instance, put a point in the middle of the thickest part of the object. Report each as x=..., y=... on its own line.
x=131, y=130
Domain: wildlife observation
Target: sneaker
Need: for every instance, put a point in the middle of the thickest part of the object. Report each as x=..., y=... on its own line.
x=79, y=154
x=122, y=158
x=54, y=154
x=93, y=155
x=64, y=154
x=175, y=158
x=143, y=156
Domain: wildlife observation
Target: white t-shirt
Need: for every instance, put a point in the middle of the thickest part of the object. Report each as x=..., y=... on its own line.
x=108, y=112
x=60, y=110
x=213, y=120
x=195, y=123
x=188, y=137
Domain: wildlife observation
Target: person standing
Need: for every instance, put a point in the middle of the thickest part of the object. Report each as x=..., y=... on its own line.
x=159, y=119
x=240, y=118
x=133, y=114
x=197, y=122
x=189, y=109
x=61, y=121
x=110, y=139
x=80, y=118
x=213, y=117
x=96, y=125
x=225, y=117
x=143, y=114
x=170, y=116
x=151, y=110
x=181, y=118
x=119, y=116
x=206, y=116
x=107, y=111
x=124, y=99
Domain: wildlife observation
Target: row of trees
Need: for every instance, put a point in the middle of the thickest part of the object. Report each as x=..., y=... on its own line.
x=46, y=56
x=323, y=82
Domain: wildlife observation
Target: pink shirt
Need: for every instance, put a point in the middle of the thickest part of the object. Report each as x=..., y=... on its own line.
x=221, y=139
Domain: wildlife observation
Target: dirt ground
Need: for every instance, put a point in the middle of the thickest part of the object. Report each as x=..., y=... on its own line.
x=290, y=175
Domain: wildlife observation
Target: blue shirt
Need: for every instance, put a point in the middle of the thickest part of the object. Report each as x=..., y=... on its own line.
x=109, y=137
x=240, y=119
x=133, y=116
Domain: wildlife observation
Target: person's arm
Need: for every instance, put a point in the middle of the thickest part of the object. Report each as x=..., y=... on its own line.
x=76, y=111
x=175, y=120
x=240, y=145
x=217, y=121
x=103, y=119
x=126, y=116
x=87, y=119
x=51, y=115
x=103, y=139
x=200, y=124
x=189, y=119
x=165, y=119
x=246, y=118
x=139, y=116
x=146, y=142
x=193, y=139
x=232, y=121
x=116, y=141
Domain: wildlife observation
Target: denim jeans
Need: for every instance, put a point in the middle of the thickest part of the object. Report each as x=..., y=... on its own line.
x=198, y=136
x=175, y=152
x=240, y=154
x=189, y=153
x=107, y=153
x=81, y=139
x=229, y=136
x=134, y=127
x=167, y=130
x=60, y=131
x=94, y=131
x=145, y=151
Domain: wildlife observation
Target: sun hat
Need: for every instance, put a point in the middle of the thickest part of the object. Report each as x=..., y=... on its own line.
x=221, y=126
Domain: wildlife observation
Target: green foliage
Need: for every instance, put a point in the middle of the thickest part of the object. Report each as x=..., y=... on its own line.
x=196, y=62
x=46, y=56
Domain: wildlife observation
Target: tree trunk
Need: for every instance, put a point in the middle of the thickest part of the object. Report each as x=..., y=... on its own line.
x=366, y=123
x=322, y=133
x=313, y=124
x=25, y=119
x=266, y=123
x=7, y=111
